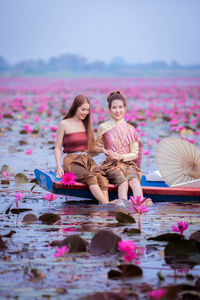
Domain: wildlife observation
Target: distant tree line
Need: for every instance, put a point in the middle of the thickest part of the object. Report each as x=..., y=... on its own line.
x=77, y=63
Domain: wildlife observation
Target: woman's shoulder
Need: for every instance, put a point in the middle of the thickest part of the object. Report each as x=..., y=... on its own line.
x=104, y=124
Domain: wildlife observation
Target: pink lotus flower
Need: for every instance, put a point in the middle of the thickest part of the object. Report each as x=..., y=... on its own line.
x=29, y=152
x=28, y=129
x=146, y=152
x=182, y=226
x=18, y=196
x=137, y=204
x=37, y=119
x=5, y=174
x=140, y=209
x=61, y=251
x=50, y=197
x=128, y=247
x=53, y=128
x=137, y=200
x=157, y=294
x=142, y=133
x=68, y=178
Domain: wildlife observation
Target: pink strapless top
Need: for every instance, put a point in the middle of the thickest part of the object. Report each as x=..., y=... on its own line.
x=75, y=142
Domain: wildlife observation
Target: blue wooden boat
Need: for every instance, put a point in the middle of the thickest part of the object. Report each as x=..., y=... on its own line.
x=158, y=191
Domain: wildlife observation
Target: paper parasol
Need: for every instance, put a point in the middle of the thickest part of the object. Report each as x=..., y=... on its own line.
x=177, y=160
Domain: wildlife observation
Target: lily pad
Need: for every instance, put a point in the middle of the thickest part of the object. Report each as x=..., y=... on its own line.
x=197, y=284
x=29, y=218
x=132, y=231
x=19, y=210
x=104, y=242
x=21, y=178
x=5, y=181
x=75, y=243
x=2, y=245
x=124, y=218
x=189, y=295
x=6, y=168
x=104, y=295
x=195, y=236
x=49, y=218
x=126, y=270
x=178, y=253
x=166, y=237
x=130, y=270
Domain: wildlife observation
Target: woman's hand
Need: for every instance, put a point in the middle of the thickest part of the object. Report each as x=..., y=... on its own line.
x=59, y=172
x=115, y=155
x=107, y=152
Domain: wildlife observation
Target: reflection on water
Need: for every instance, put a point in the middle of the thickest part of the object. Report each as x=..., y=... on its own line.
x=28, y=268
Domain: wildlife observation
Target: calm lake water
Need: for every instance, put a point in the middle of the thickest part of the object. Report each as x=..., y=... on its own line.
x=28, y=268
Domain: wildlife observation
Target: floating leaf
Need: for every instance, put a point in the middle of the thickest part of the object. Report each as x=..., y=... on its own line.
x=49, y=218
x=126, y=270
x=75, y=243
x=130, y=270
x=195, y=236
x=2, y=245
x=34, y=180
x=178, y=253
x=12, y=149
x=123, y=218
x=167, y=237
x=104, y=242
x=21, y=142
x=160, y=276
x=105, y=296
x=114, y=274
x=132, y=231
x=8, y=235
x=29, y=218
x=21, y=178
x=19, y=210
x=61, y=291
x=6, y=168
x=197, y=284
x=5, y=181
x=189, y=295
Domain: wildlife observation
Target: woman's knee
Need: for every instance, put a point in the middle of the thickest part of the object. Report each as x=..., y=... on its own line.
x=134, y=181
x=103, y=182
x=124, y=184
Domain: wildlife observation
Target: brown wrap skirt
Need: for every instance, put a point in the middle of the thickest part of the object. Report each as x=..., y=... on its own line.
x=118, y=172
x=85, y=169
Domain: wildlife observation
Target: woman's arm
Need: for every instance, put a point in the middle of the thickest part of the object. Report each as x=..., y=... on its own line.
x=99, y=144
x=58, y=149
x=132, y=155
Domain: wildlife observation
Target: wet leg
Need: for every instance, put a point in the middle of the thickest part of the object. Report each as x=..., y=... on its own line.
x=98, y=194
x=136, y=187
x=123, y=190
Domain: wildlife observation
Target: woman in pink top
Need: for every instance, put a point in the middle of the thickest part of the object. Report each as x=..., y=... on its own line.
x=122, y=147
x=76, y=136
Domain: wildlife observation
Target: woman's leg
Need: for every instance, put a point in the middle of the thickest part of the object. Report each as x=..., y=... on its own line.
x=136, y=187
x=123, y=190
x=106, y=195
x=98, y=193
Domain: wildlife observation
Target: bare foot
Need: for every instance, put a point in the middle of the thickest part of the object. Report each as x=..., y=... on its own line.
x=148, y=202
x=120, y=202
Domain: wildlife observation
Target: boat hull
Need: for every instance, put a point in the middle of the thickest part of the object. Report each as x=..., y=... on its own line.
x=158, y=191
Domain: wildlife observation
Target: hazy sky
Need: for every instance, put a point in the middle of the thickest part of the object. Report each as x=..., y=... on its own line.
x=137, y=30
